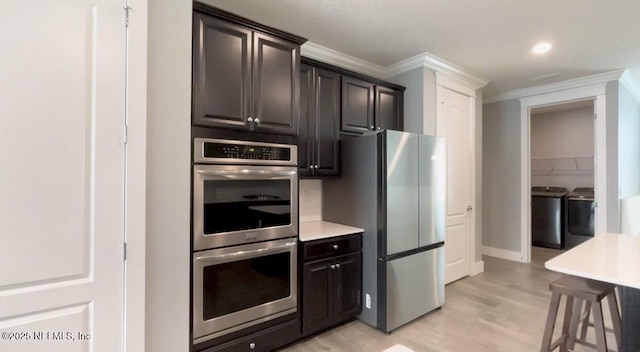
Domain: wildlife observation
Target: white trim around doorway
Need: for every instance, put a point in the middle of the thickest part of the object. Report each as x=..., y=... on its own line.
x=594, y=92
x=135, y=179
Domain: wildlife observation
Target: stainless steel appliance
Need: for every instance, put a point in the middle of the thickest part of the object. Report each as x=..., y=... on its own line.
x=547, y=216
x=247, y=192
x=245, y=227
x=392, y=184
x=240, y=286
x=580, y=224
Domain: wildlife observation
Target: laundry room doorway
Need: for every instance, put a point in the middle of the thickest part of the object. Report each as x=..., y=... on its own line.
x=562, y=157
x=563, y=149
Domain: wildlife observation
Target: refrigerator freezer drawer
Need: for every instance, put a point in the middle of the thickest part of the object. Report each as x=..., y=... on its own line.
x=415, y=286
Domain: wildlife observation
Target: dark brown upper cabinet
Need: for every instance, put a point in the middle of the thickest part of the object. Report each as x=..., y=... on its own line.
x=388, y=111
x=245, y=76
x=368, y=103
x=319, y=122
x=367, y=106
x=357, y=105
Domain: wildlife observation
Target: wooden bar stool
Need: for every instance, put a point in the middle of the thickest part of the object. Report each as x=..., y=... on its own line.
x=578, y=290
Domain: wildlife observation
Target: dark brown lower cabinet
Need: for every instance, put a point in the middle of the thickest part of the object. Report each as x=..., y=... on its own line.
x=262, y=341
x=331, y=290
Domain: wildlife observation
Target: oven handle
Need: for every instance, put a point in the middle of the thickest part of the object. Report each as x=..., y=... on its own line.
x=243, y=254
x=240, y=174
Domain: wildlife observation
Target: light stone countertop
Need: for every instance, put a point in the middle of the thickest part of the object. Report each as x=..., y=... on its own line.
x=608, y=257
x=317, y=230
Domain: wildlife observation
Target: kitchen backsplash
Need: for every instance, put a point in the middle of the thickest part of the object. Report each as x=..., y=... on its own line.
x=310, y=200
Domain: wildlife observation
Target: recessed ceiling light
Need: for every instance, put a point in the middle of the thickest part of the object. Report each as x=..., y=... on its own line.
x=541, y=48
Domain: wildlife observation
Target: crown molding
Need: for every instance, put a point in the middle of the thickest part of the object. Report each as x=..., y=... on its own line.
x=631, y=83
x=554, y=87
x=324, y=54
x=440, y=66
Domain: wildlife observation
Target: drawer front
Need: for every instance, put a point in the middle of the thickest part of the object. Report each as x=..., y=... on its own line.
x=263, y=341
x=330, y=247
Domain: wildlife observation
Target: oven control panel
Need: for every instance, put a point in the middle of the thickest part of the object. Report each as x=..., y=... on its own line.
x=243, y=152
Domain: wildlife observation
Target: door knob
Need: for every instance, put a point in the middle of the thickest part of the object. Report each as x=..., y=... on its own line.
x=337, y=266
x=335, y=246
x=333, y=266
x=256, y=120
x=250, y=119
x=372, y=128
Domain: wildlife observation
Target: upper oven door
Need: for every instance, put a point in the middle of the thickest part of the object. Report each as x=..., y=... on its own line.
x=236, y=204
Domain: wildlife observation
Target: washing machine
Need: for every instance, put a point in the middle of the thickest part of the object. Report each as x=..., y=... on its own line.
x=580, y=214
x=547, y=216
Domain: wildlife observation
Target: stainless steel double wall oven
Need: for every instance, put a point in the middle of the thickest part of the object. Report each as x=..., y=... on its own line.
x=245, y=227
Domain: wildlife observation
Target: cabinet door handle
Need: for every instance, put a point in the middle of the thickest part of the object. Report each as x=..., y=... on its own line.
x=250, y=119
x=379, y=128
x=337, y=266
x=256, y=120
x=315, y=167
x=252, y=345
x=372, y=128
x=335, y=246
x=333, y=266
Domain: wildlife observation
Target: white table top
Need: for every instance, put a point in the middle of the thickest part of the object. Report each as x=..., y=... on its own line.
x=608, y=257
x=316, y=230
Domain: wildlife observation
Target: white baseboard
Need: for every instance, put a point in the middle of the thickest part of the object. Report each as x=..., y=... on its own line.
x=502, y=253
x=477, y=268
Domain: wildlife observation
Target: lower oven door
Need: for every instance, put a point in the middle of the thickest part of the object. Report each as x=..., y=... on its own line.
x=237, y=287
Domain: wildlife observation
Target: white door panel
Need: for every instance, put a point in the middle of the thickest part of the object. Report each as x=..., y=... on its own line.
x=62, y=178
x=455, y=124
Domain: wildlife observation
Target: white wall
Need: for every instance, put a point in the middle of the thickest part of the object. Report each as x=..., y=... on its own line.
x=419, y=99
x=168, y=176
x=629, y=143
x=563, y=137
x=501, y=175
x=310, y=200
x=613, y=204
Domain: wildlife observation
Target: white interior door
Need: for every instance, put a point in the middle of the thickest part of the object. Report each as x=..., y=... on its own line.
x=454, y=123
x=62, y=74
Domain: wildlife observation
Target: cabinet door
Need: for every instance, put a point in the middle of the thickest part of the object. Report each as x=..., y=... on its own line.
x=348, y=277
x=307, y=120
x=317, y=296
x=388, y=108
x=327, y=112
x=276, y=91
x=357, y=105
x=221, y=73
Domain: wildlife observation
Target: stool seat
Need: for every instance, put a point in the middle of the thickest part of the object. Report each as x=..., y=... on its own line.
x=578, y=291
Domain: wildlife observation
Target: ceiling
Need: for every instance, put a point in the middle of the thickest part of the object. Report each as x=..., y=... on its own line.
x=490, y=38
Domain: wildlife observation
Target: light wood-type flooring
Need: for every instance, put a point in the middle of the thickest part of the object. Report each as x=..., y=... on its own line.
x=502, y=309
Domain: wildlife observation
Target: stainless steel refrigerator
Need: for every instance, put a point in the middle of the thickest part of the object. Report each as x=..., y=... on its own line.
x=392, y=184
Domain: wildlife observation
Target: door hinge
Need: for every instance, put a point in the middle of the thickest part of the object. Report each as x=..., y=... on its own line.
x=595, y=116
x=127, y=8
x=123, y=134
x=124, y=251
